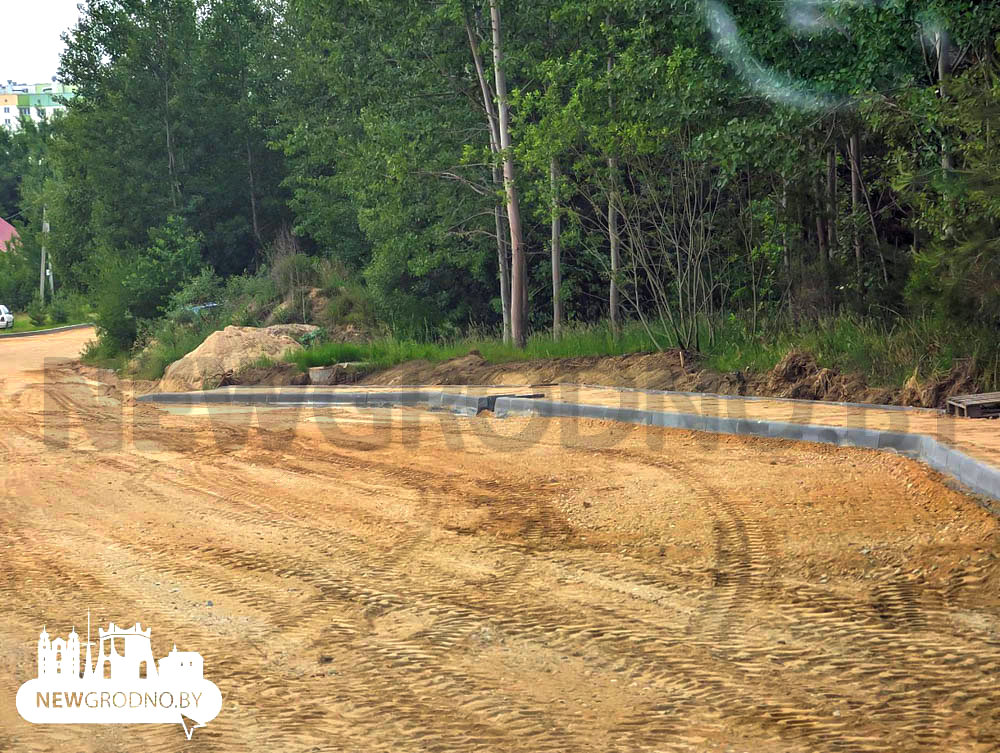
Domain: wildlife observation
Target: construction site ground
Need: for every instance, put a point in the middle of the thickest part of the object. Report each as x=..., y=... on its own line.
x=400, y=580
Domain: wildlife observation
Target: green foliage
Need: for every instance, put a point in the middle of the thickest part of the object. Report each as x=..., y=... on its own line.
x=204, y=287
x=351, y=303
x=293, y=272
x=588, y=340
x=104, y=354
x=191, y=169
x=59, y=310
x=170, y=342
x=171, y=259
x=248, y=299
x=18, y=280
x=37, y=311
x=116, y=324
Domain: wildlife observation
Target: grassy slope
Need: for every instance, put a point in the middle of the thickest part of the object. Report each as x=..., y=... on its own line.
x=886, y=356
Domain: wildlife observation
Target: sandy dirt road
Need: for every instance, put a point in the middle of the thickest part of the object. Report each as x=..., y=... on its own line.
x=400, y=581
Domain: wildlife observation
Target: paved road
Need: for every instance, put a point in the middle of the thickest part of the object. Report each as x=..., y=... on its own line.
x=405, y=581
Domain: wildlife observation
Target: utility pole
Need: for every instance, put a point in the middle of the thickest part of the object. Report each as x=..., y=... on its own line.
x=41, y=271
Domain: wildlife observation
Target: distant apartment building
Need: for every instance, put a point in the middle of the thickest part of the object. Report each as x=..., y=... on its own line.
x=35, y=101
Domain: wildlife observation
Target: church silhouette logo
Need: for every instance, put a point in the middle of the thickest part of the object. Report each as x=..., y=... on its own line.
x=124, y=685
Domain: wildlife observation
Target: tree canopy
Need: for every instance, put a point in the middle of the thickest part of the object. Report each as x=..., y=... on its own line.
x=668, y=162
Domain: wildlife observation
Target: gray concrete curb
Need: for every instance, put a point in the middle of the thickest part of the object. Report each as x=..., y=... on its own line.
x=469, y=405
x=975, y=474
x=38, y=332
x=978, y=476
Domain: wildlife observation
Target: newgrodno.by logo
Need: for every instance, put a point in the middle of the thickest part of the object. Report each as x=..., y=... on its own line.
x=125, y=686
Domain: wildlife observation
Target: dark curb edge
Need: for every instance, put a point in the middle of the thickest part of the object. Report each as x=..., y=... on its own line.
x=978, y=476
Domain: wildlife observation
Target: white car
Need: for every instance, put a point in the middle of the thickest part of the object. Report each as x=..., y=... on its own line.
x=6, y=318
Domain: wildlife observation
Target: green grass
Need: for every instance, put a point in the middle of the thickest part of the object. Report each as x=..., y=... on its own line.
x=885, y=354
x=102, y=356
x=23, y=324
x=383, y=353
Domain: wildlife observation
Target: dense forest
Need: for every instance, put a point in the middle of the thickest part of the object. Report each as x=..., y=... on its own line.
x=525, y=167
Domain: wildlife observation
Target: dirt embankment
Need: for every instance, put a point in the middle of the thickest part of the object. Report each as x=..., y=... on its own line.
x=798, y=375
x=233, y=357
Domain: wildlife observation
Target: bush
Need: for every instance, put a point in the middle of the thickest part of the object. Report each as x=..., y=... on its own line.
x=205, y=287
x=18, y=280
x=136, y=285
x=78, y=306
x=170, y=343
x=333, y=274
x=350, y=304
x=293, y=273
x=249, y=299
x=158, y=271
x=37, y=312
x=59, y=311
x=116, y=326
x=104, y=355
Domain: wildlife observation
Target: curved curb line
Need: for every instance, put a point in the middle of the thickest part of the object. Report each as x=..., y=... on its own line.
x=978, y=476
x=975, y=474
x=51, y=331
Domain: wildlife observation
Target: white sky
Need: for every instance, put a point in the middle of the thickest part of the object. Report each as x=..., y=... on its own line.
x=30, y=30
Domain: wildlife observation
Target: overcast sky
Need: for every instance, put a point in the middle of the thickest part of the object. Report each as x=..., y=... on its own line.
x=30, y=50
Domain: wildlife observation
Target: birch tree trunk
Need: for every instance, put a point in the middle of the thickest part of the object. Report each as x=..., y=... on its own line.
x=503, y=258
x=171, y=156
x=831, y=193
x=251, y=178
x=557, y=313
x=821, y=235
x=614, y=240
x=518, y=288
x=854, y=151
x=944, y=70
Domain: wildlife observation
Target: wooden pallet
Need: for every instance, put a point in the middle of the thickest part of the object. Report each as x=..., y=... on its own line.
x=975, y=406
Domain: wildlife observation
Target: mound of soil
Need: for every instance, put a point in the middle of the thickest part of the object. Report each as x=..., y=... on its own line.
x=277, y=375
x=228, y=352
x=798, y=375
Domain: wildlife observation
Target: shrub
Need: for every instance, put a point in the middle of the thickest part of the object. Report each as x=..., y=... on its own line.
x=37, y=312
x=204, y=287
x=292, y=273
x=156, y=272
x=59, y=310
x=332, y=274
x=249, y=299
x=290, y=269
x=350, y=304
x=101, y=353
x=78, y=306
x=18, y=280
x=135, y=285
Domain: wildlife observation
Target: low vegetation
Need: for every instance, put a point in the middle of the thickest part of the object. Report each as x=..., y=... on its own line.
x=887, y=355
x=64, y=309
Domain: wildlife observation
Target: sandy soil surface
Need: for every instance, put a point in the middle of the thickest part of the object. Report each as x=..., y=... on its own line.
x=403, y=581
